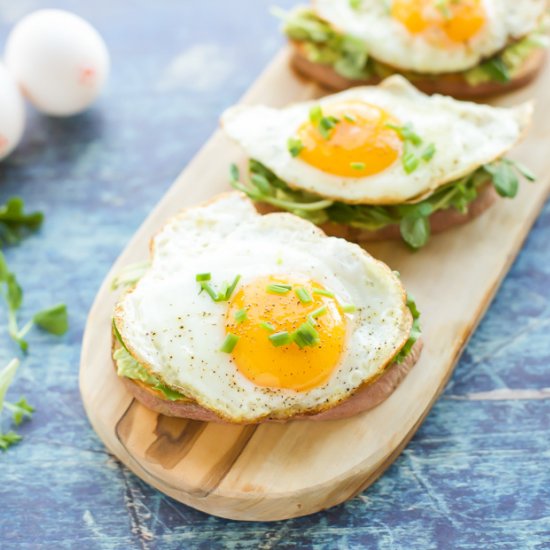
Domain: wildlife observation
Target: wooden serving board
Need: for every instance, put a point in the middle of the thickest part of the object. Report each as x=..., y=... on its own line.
x=278, y=471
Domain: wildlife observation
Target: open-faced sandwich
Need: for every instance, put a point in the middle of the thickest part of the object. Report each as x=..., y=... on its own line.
x=380, y=162
x=246, y=318
x=464, y=48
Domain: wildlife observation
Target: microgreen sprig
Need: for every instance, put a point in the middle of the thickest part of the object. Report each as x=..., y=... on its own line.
x=21, y=410
x=53, y=320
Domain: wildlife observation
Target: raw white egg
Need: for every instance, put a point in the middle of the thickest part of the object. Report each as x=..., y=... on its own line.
x=12, y=113
x=59, y=60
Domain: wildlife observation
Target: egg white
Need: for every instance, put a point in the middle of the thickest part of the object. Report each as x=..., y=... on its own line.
x=227, y=237
x=387, y=40
x=466, y=136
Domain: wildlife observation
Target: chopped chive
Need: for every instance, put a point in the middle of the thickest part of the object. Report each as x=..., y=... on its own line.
x=407, y=133
x=232, y=287
x=318, y=312
x=229, y=343
x=203, y=277
x=350, y=118
x=315, y=114
x=306, y=335
x=429, y=152
x=234, y=172
x=240, y=315
x=326, y=124
x=323, y=292
x=267, y=326
x=294, y=146
x=303, y=295
x=348, y=308
x=357, y=165
x=280, y=338
x=278, y=288
x=210, y=291
x=410, y=162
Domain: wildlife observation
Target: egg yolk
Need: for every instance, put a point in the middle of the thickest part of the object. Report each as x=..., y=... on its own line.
x=287, y=366
x=360, y=143
x=458, y=20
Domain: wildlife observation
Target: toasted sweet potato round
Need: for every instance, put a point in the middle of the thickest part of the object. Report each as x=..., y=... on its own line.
x=447, y=84
x=365, y=398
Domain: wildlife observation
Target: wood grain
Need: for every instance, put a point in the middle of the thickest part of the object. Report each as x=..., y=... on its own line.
x=273, y=472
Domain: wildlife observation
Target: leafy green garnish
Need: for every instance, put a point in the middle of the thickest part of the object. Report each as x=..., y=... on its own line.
x=15, y=224
x=412, y=218
x=53, y=320
x=8, y=439
x=20, y=410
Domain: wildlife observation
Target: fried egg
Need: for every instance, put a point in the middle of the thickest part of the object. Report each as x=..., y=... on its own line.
x=281, y=272
x=365, y=157
x=433, y=36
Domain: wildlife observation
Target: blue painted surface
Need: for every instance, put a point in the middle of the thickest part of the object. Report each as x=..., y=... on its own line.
x=475, y=476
